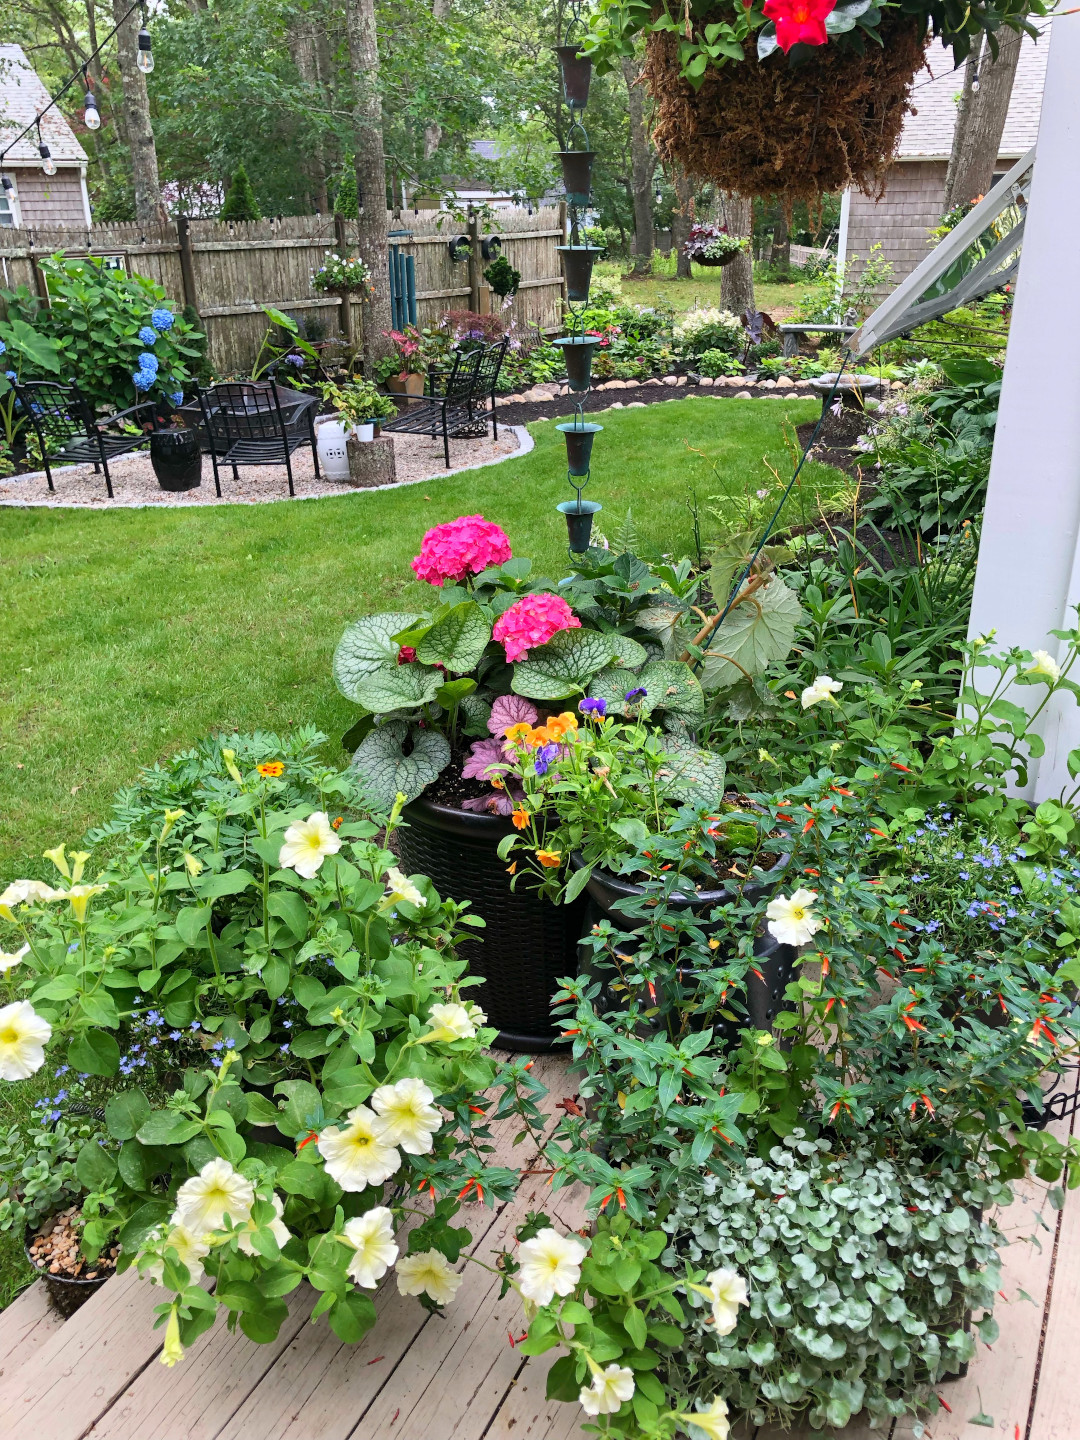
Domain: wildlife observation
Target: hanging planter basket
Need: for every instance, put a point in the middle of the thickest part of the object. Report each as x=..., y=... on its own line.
x=713, y=261
x=763, y=127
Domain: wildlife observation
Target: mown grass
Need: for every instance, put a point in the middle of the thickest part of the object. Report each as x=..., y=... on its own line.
x=702, y=289
x=128, y=634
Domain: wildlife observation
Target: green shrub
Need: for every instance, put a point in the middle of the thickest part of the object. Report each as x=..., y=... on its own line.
x=240, y=202
x=718, y=362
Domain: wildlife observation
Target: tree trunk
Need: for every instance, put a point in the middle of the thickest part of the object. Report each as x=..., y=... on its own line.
x=149, y=209
x=682, y=217
x=980, y=121
x=440, y=10
x=781, y=244
x=307, y=67
x=370, y=166
x=737, y=285
x=641, y=167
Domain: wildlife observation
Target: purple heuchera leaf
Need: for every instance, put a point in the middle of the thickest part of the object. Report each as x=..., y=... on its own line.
x=507, y=710
x=494, y=804
x=485, y=759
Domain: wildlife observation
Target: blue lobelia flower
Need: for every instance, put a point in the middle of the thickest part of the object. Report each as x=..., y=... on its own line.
x=147, y=336
x=162, y=319
x=11, y=374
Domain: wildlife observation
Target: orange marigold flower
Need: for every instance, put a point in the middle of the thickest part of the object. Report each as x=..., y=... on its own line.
x=272, y=768
x=550, y=859
x=520, y=817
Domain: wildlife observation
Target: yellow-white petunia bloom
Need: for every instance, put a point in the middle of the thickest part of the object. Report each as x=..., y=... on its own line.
x=80, y=897
x=609, y=1391
x=172, y=1350
x=725, y=1290
x=400, y=887
x=791, y=918
x=452, y=1021
x=429, y=1273
x=8, y=960
x=823, y=688
x=23, y=1037
x=191, y=1251
x=218, y=1190
x=26, y=892
x=1045, y=664
x=550, y=1265
x=359, y=1155
x=712, y=1423
x=408, y=1115
x=371, y=1235
x=277, y=1228
x=307, y=844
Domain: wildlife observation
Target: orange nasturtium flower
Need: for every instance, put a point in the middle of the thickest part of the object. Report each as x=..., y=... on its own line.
x=272, y=768
x=520, y=817
x=550, y=859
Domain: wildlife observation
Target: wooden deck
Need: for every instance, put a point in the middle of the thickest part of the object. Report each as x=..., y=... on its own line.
x=421, y=1377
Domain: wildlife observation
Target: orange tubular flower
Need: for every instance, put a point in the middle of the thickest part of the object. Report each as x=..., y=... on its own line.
x=550, y=859
x=520, y=818
x=271, y=768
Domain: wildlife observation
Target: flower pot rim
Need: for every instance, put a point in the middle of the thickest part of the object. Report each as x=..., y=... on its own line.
x=576, y=340
x=58, y=1279
x=588, y=428
x=450, y=818
x=678, y=897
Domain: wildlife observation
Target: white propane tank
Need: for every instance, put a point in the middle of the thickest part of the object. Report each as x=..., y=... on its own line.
x=330, y=442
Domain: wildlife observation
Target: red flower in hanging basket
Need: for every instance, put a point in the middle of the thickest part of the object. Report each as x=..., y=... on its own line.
x=799, y=22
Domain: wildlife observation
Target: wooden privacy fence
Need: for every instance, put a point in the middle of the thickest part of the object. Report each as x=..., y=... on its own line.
x=229, y=271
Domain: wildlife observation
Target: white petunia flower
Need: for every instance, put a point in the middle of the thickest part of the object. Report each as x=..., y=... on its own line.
x=400, y=887
x=27, y=892
x=550, y=1266
x=792, y=920
x=358, y=1156
x=191, y=1251
x=454, y=1022
x=823, y=688
x=277, y=1228
x=7, y=961
x=609, y=1391
x=218, y=1190
x=1045, y=664
x=408, y=1115
x=23, y=1037
x=371, y=1235
x=307, y=844
x=429, y=1273
x=725, y=1291
x=712, y=1423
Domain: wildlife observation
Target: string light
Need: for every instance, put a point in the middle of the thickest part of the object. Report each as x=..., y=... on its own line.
x=91, y=114
x=145, y=56
x=975, y=83
x=48, y=164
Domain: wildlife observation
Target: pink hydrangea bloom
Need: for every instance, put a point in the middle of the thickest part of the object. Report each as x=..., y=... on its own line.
x=532, y=621
x=461, y=547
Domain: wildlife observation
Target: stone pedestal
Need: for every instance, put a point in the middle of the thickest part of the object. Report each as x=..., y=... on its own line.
x=371, y=462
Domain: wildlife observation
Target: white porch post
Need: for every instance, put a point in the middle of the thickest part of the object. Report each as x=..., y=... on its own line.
x=1029, y=560
x=842, y=243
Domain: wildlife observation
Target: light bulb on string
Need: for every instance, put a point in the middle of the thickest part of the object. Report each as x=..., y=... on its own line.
x=48, y=164
x=91, y=114
x=145, y=56
x=975, y=85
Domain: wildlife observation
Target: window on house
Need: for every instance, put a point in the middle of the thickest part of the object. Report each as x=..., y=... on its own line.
x=9, y=214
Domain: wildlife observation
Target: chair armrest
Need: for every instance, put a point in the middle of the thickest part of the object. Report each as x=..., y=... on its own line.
x=132, y=412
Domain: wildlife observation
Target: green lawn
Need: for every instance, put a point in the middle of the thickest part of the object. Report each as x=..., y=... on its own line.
x=702, y=289
x=129, y=633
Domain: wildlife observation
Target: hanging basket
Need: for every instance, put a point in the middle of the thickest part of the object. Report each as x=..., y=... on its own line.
x=713, y=261
x=766, y=127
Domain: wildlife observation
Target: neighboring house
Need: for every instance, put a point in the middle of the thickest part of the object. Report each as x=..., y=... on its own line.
x=34, y=197
x=914, y=198
x=471, y=190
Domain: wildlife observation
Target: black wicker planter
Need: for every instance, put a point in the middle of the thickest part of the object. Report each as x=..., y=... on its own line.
x=712, y=261
x=528, y=943
x=176, y=458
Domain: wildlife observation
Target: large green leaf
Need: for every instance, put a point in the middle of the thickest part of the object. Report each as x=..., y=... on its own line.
x=368, y=645
x=612, y=686
x=386, y=768
x=457, y=639
x=758, y=632
x=729, y=560
x=628, y=653
x=668, y=624
x=38, y=349
x=672, y=687
x=398, y=687
x=564, y=666
x=694, y=776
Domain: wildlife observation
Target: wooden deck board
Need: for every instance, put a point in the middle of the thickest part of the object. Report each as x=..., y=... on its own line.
x=456, y=1376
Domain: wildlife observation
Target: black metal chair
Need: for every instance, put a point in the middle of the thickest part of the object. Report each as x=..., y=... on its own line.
x=63, y=416
x=246, y=425
x=448, y=414
x=482, y=404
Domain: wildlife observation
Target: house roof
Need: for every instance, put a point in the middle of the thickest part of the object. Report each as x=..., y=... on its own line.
x=928, y=134
x=22, y=96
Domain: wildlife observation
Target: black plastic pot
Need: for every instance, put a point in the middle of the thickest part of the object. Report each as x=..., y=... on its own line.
x=577, y=266
x=577, y=175
x=577, y=353
x=66, y=1292
x=604, y=889
x=528, y=942
x=176, y=458
x=576, y=74
x=579, y=443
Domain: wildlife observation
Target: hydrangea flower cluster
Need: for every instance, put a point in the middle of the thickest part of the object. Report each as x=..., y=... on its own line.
x=146, y=374
x=162, y=319
x=461, y=547
x=532, y=621
x=147, y=335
